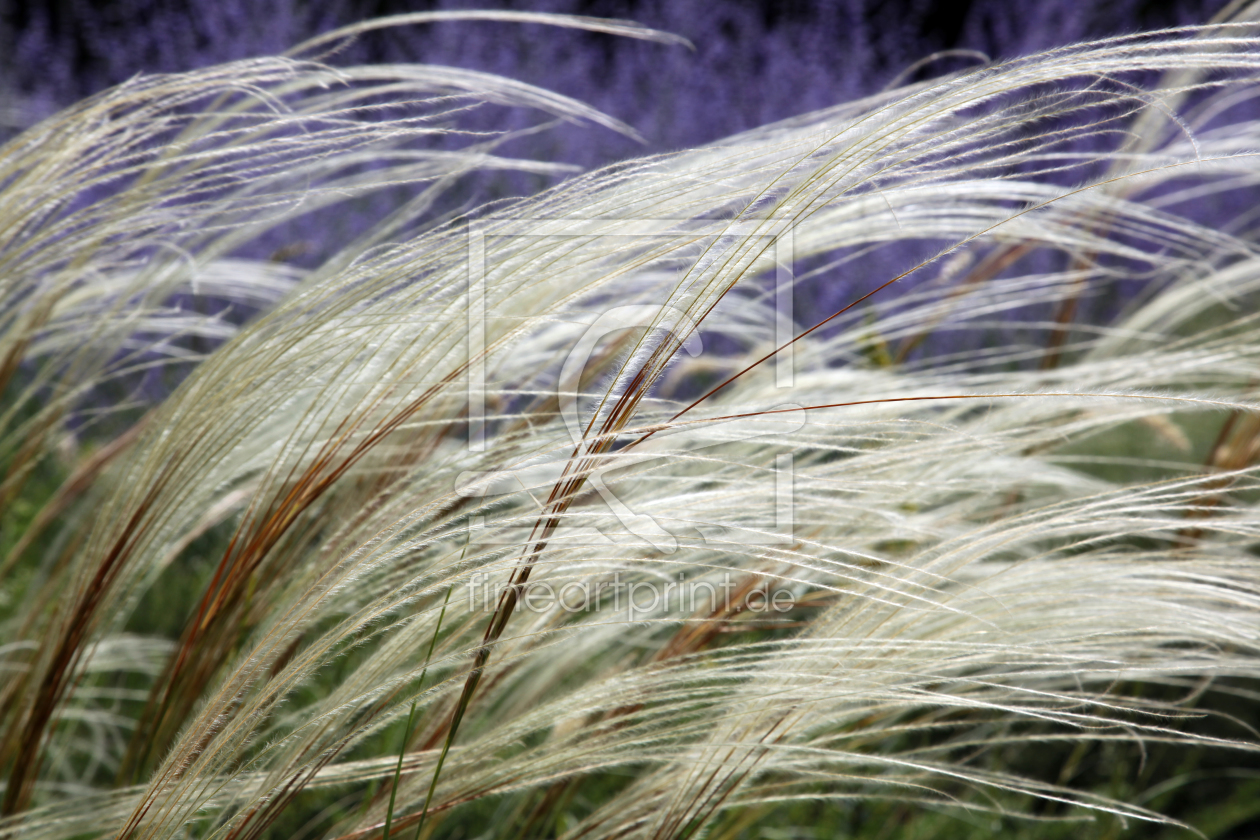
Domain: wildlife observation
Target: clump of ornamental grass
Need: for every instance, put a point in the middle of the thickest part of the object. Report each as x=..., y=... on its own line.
x=574, y=515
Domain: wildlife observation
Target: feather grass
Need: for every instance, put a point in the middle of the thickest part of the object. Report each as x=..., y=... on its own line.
x=404, y=452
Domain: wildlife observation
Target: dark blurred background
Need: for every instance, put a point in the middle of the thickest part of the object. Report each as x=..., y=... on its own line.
x=755, y=61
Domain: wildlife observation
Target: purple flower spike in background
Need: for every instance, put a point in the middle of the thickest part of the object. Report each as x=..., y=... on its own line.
x=753, y=63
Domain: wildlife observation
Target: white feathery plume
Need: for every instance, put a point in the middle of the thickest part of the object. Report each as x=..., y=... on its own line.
x=481, y=479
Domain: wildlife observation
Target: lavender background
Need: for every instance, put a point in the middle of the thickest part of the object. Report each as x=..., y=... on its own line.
x=755, y=61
